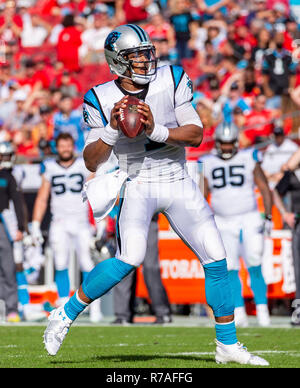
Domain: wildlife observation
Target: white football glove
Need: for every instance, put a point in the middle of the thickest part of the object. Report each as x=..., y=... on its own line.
x=36, y=233
x=27, y=239
x=268, y=226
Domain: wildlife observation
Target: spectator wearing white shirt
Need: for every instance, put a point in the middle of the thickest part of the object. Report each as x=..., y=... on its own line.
x=93, y=38
x=276, y=155
x=35, y=30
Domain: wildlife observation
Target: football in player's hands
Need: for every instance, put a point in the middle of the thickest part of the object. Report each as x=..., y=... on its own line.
x=129, y=120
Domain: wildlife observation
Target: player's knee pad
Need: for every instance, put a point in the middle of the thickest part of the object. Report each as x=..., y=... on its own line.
x=105, y=276
x=217, y=288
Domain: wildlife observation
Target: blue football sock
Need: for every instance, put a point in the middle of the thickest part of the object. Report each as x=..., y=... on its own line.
x=219, y=298
x=258, y=285
x=74, y=306
x=84, y=275
x=226, y=333
x=217, y=288
x=100, y=280
x=23, y=294
x=62, y=283
x=236, y=288
x=105, y=276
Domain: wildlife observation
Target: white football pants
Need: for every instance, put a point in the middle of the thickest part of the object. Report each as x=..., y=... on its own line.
x=242, y=236
x=184, y=206
x=67, y=235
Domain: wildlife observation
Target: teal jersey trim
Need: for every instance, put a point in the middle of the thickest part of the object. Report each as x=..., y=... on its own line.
x=91, y=99
x=177, y=74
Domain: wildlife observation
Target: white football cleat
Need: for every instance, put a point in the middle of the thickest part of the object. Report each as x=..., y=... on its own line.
x=240, y=317
x=237, y=353
x=56, y=330
x=263, y=316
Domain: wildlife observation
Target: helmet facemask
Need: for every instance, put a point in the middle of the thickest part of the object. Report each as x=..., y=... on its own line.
x=228, y=154
x=146, y=68
x=226, y=133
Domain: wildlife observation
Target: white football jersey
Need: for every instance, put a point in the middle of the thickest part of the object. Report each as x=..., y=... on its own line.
x=231, y=182
x=66, y=187
x=150, y=161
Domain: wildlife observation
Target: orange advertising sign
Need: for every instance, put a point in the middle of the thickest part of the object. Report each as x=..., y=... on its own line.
x=183, y=275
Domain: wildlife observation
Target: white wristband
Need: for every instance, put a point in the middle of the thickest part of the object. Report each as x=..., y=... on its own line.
x=36, y=224
x=109, y=135
x=35, y=227
x=159, y=134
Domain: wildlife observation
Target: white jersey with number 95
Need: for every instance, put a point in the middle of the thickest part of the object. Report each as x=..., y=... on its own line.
x=66, y=187
x=231, y=182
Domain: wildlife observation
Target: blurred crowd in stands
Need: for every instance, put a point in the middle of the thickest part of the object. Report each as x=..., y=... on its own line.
x=242, y=57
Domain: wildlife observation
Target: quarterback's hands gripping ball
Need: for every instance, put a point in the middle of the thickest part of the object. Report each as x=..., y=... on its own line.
x=147, y=117
x=115, y=112
x=130, y=117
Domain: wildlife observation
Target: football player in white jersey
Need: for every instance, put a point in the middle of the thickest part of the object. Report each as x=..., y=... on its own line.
x=63, y=179
x=157, y=181
x=230, y=175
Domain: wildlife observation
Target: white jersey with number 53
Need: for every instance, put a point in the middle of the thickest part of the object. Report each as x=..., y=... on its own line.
x=66, y=187
x=166, y=95
x=231, y=182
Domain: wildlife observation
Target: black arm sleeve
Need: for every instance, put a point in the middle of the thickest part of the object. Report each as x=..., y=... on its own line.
x=16, y=196
x=283, y=185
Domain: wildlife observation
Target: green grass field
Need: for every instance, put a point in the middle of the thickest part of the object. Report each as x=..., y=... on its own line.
x=141, y=347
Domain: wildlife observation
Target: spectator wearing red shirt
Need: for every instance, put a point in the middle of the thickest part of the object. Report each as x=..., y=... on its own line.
x=68, y=84
x=243, y=36
x=48, y=7
x=24, y=144
x=228, y=70
x=257, y=122
x=132, y=11
x=34, y=77
x=69, y=41
x=10, y=24
x=74, y=6
x=56, y=7
x=160, y=29
x=162, y=35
